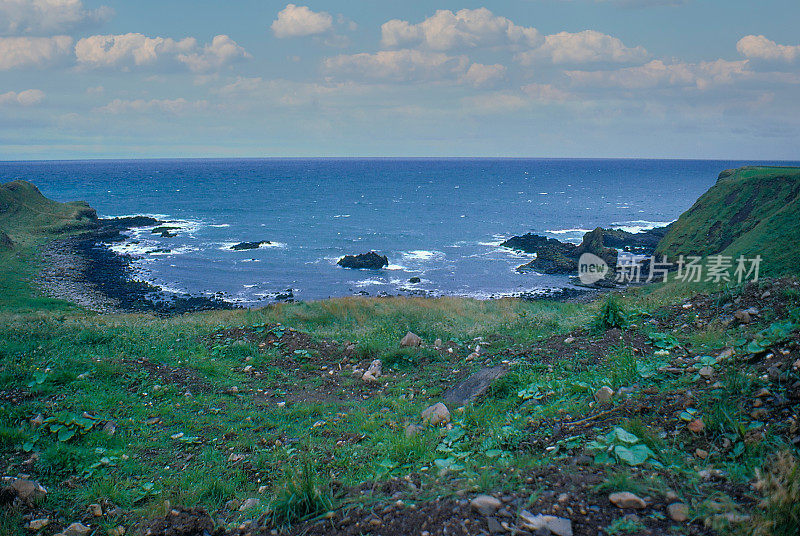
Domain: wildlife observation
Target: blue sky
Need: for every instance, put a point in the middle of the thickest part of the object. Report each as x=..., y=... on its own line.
x=529, y=78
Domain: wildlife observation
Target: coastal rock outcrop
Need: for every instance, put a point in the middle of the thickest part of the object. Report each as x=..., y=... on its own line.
x=562, y=258
x=242, y=246
x=364, y=261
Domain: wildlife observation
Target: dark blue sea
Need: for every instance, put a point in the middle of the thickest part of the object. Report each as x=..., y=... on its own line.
x=441, y=220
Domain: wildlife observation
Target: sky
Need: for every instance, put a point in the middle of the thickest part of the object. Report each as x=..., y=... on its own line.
x=518, y=78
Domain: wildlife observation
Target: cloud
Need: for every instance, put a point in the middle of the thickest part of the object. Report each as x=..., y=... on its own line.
x=484, y=75
x=32, y=51
x=136, y=50
x=656, y=73
x=494, y=103
x=588, y=46
x=220, y=52
x=29, y=97
x=446, y=30
x=47, y=16
x=759, y=47
x=546, y=93
x=399, y=65
x=300, y=21
x=169, y=106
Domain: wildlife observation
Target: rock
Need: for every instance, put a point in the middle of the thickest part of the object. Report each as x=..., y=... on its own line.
x=725, y=354
x=119, y=531
x=604, y=394
x=696, y=426
x=626, y=499
x=37, y=421
x=110, y=428
x=236, y=457
x=569, y=340
x=413, y=430
x=410, y=340
x=706, y=372
x=485, y=505
x=28, y=490
x=375, y=368
x=774, y=373
x=415, y=280
x=473, y=386
x=38, y=524
x=369, y=378
x=250, y=503
x=77, y=529
x=438, y=344
x=436, y=414
x=556, y=525
x=96, y=510
x=494, y=526
x=678, y=512
x=364, y=261
x=742, y=316
x=700, y=453
x=242, y=246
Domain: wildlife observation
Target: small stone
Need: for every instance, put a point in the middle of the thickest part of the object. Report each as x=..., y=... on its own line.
x=248, y=368
x=604, y=394
x=485, y=505
x=369, y=378
x=725, y=354
x=569, y=340
x=96, y=510
x=28, y=490
x=701, y=453
x=742, y=316
x=436, y=414
x=119, y=531
x=38, y=524
x=678, y=512
x=250, y=503
x=413, y=430
x=410, y=340
x=494, y=526
x=557, y=525
x=236, y=457
x=626, y=499
x=37, y=421
x=77, y=529
x=706, y=372
x=375, y=368
x=696, y=426
x=759, y=414
x=774, y=373
x=438, y=343
x=110, y=428
x=262, y=489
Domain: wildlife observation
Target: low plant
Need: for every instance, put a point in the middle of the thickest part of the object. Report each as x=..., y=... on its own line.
x=611, y=315
x=621, y=446
x=300, y=497
x=779, y=510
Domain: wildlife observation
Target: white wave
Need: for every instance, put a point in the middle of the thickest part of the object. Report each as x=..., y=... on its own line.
x=638, y=226
x=342, y=216
x=422, y=255
x=368, y=283
x=566, y=231
x=220, y=225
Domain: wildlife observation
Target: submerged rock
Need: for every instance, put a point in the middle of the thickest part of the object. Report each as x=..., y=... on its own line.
x=364, y=261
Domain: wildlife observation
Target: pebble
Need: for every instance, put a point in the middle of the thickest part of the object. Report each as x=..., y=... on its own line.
x=700, y=453
x=77, y=529
x=250, y=503
x=96, y=510
x=678, y=512
x=569, y=340
x=626, y=499
x=706, y=372
x=696, y=426
x=38, y=524
x=604, y=394
x=485, y=505
x=28, y=490
x=557, y=525
x=410, y=340
x=436, y=414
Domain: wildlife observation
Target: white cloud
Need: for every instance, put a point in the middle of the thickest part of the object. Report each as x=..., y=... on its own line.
x=32, y=51
x=588, y=46
x=299, y=21
x=169, y=106
x=29, y=97
x=546, y=93
x=47, y=16
x=656, y=73
x=759, y=47
x=399, y=65
x=219, y=53
x=446, y=30
x=136, y=50
x=483, y=75
x=494, y=103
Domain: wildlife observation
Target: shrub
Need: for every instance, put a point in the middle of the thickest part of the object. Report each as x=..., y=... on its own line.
x=779, y=483
x=611, y=315
x=300, y=498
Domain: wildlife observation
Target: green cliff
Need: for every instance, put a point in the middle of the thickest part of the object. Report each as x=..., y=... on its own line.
x=749, y=211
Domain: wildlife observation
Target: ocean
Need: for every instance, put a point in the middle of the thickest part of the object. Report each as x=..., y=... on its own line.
x=439, y=220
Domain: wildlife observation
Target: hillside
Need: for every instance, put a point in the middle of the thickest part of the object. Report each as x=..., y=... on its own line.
x=25, y=212
x=749, y=211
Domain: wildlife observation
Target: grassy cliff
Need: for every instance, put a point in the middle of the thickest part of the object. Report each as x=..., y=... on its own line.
x=749, y=211
x=25, y=213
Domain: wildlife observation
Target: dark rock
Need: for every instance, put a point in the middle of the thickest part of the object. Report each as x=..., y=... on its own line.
x=364, y=261
x=414, y=280
x=166, y=231
x=241, y=246
x=474, y=386
x=563, y=257
x=532, y=243
x=642, y=243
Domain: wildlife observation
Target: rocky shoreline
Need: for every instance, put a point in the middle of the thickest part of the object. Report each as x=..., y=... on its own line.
x=84, y=270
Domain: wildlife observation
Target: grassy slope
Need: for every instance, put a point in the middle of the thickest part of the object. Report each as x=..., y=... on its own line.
x=753, y=211
x=59, y=361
